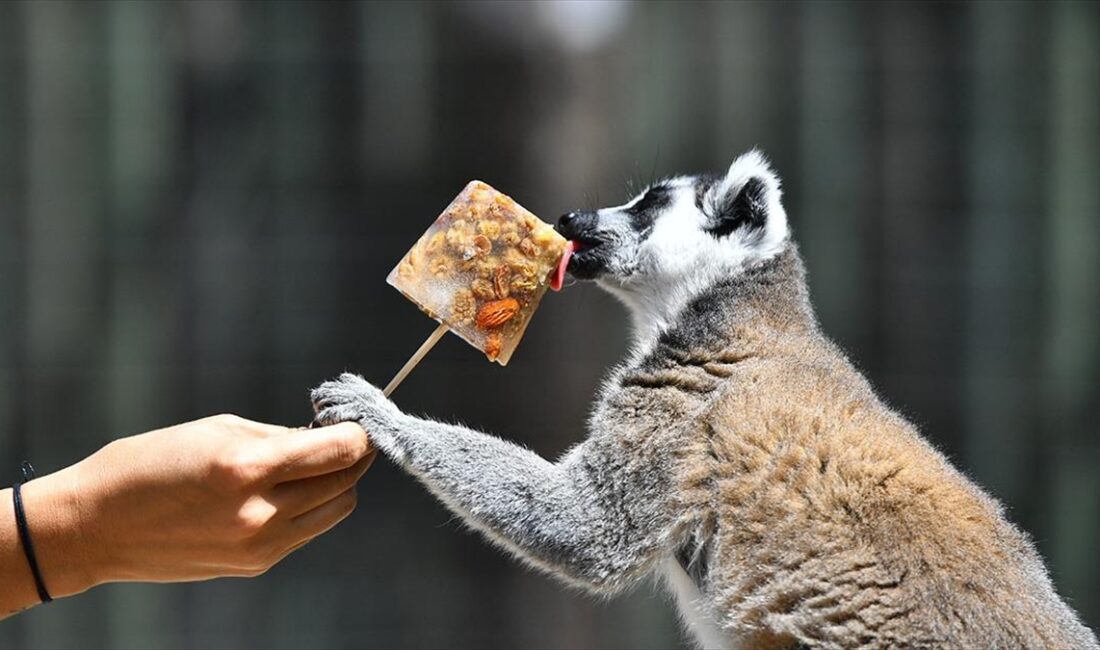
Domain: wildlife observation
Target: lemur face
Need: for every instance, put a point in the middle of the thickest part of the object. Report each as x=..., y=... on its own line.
x=683, y=231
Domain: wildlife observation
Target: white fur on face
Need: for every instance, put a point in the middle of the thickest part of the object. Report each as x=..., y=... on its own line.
x=656, y=277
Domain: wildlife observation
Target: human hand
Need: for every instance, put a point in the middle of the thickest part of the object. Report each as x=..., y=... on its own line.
x=221, y=496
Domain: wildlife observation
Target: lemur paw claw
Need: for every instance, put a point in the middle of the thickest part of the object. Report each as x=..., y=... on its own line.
x=350, y=398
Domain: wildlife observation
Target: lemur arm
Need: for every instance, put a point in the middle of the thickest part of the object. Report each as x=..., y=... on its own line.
x=569, y=517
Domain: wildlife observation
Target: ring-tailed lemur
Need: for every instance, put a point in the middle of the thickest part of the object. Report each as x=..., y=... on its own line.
x=738, y=453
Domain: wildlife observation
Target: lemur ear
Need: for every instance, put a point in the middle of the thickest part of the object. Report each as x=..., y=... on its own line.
x=748, y=197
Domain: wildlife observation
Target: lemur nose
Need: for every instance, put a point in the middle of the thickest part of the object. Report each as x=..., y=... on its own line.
x=566, y=219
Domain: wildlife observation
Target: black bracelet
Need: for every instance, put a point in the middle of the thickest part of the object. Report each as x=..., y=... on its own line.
x=25, y=533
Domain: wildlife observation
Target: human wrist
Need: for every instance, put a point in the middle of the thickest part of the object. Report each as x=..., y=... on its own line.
x=55, y=508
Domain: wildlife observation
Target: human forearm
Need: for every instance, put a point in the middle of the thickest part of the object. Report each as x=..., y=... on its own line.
x=221, y=496
x=62, y=544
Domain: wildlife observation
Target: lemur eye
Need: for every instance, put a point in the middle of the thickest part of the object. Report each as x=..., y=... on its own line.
x=655, y=197
x=643, y=214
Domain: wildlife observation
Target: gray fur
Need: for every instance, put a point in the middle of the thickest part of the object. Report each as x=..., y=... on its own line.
x=741, y=455
x=597, y=517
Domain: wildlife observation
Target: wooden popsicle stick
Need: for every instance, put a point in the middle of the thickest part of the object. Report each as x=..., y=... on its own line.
x=425, y=347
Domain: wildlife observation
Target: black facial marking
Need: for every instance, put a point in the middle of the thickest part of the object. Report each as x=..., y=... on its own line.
x=582, y=227
x=748, y=208
x=644, y=213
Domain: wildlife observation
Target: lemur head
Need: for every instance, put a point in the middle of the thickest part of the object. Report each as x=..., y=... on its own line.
x=678, y=237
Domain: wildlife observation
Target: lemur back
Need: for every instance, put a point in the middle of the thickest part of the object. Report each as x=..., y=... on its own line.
x=739, y=454
x=816, y=515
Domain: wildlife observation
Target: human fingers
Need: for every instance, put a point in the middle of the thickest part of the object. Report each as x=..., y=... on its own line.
x=322, y=518
x=294, y=498
x=314, y=452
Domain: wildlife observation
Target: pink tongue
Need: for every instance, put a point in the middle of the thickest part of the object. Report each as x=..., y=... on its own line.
x=559, y=274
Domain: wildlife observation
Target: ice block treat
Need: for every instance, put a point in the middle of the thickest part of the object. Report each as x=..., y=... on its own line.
x=482, y=269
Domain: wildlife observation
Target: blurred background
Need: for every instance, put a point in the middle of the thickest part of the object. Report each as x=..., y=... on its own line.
x=199, y=202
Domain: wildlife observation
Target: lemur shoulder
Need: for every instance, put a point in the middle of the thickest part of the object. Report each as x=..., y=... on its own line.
x=738, y=454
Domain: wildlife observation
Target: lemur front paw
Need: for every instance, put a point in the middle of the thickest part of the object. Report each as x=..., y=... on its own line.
x=354, y=399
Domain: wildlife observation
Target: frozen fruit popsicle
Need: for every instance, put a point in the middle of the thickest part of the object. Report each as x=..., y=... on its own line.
x=481, y=270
